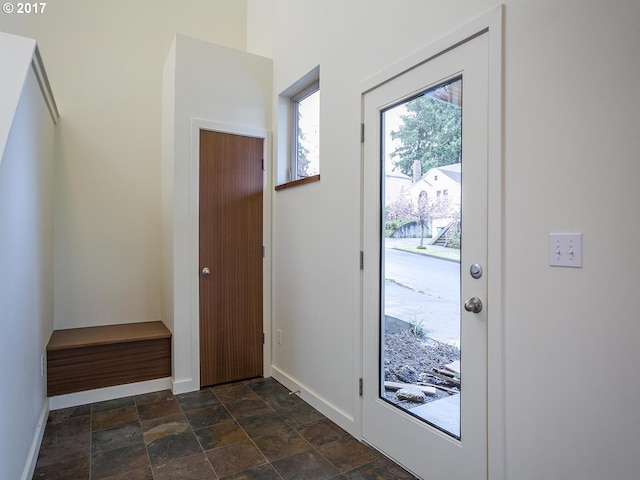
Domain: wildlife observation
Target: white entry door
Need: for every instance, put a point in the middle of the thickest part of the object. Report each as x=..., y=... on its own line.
x=425, y=179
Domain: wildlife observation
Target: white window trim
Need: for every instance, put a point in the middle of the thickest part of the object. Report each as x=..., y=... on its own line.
x=285, y=144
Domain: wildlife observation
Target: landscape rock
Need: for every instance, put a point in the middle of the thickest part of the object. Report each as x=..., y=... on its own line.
x=423, y=355
x=408, y=374
x=411, y=395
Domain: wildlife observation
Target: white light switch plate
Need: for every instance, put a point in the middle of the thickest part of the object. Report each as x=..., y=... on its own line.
x=565, y=250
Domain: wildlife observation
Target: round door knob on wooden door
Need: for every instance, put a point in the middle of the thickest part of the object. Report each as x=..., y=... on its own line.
x=206, y=272
x=473, y=305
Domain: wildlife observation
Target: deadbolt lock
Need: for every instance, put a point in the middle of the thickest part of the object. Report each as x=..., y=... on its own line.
x=476, y=270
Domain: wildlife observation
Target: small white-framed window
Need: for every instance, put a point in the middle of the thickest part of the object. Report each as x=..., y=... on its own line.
x=305, y=133
x=298, y=132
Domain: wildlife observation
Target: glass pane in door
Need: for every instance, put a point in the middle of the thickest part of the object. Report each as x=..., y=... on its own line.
x=420, y=255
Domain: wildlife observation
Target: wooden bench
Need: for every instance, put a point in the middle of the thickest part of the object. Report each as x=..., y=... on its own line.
x=80, y=359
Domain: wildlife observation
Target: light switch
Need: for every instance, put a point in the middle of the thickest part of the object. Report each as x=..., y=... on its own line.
x=565, y=250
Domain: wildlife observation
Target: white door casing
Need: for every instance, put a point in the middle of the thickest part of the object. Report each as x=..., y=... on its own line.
x=474, y=57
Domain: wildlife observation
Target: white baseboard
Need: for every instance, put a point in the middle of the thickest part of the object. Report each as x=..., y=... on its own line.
x=185, y=386
x=30, y=465
x=109, y=393
x=333, y=413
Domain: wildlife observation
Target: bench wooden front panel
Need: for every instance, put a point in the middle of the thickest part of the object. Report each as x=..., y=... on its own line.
x=75, y=365
x=87, y=368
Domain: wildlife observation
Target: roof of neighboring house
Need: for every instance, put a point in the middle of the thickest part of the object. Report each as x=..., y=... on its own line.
x=454, y=167
x=453, y=171
x=421, y=184
x=399, y=175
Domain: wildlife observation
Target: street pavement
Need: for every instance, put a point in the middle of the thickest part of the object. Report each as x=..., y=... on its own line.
x=425, y=289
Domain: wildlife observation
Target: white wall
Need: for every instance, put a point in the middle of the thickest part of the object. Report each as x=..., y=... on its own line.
x=570, y=163
x=213, y=87
x=15, y=55
x=260, y=34
x=26, y=274
x=104, y=61
x=316, y=274
x=567, y=121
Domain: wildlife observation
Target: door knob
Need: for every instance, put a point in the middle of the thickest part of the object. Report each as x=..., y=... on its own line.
x=206, y=272
x=473, y=305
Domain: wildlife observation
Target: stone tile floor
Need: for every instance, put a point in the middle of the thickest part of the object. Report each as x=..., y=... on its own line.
x=244, y=431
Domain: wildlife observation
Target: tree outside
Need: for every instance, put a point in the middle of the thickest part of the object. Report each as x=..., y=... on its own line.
x=428, y=135
x=430, y=132
x=403, y=210
x=308, y=135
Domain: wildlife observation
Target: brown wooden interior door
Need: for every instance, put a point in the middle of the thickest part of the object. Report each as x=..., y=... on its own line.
x=231, y=248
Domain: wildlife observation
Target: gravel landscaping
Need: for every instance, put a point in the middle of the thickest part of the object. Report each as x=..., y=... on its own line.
x=421, y=354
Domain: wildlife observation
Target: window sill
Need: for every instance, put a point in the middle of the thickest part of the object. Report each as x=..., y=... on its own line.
x=295, y=183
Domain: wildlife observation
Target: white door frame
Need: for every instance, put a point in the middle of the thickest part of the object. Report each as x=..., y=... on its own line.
x=490, y=23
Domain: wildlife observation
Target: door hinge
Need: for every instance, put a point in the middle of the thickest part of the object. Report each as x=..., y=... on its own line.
x=362, y=133
x=263, y=251
x=361, y=260
x=263, y=164
x=360, y=386
x=263, y=338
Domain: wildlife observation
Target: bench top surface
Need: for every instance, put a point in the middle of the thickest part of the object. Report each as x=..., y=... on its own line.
x=107, y=334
